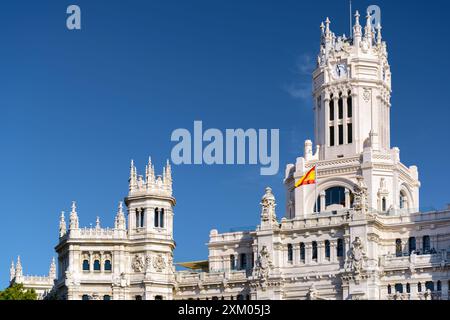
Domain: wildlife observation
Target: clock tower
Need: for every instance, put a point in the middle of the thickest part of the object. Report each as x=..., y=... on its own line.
x=351, y=102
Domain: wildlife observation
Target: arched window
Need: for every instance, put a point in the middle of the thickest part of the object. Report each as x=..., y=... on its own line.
x=290, y=253
x=106, y=297
x=335, y=196
x=156, y=218
x=161, y=217
x=302, y=252
x=84, y=297
x=439, y=285
x=340, y=248
x=85, y=265
x=327, y=249
x=419, y=287
x=429, y=285
x=398, y=248
x=426, y=244
x=399, y=288
x=389, y=289
x=314, y=250
x=411, y=244
x=243, y=261
x=96, y=265
x=108, y=266
x=232, y=262
x=383, y=204
x=408, y=288
x=403, y=200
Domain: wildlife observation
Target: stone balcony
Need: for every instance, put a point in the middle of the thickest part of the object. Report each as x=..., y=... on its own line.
x=185, y=278
x=390, y=262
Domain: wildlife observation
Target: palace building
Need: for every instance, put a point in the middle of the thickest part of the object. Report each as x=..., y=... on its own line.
x=356, y=233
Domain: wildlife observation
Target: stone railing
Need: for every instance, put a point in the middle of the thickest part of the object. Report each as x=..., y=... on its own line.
x=96, y=233
x=192, y=278
x=416, y=261
x=37, y=280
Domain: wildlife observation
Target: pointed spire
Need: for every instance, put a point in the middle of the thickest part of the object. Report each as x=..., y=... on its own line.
x=120, y=218
x=19, y=272
x=322, y=28
x=167, y=174
x=73, y=223
x=368, y=34
x=149, y=173
x=12, y=271
x=133, y=176
x=357, y=30
x=62, y=225
x=379, y=38
x=97, y=223
x=52, y=271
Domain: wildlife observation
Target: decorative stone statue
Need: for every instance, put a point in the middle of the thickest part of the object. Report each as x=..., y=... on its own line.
x=158, y=263
x=268, y=216
x=138, y=263
x=356, y=257
x=263, y=265
x=360, y=203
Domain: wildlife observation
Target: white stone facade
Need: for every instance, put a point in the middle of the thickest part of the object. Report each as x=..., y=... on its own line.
x=357, y=234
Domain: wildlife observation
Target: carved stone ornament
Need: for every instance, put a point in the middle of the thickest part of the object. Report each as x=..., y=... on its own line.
x=138, y=263
x=263, y=265
x=158, y=263
x=356, y=256
x=367, y=95
x=361, y=202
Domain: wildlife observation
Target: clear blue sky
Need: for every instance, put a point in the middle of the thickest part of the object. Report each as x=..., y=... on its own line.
x=77, y=106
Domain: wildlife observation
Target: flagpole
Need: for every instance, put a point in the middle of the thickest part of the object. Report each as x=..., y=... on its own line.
x=315, y=190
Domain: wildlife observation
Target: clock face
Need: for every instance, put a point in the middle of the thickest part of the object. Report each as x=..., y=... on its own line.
x=340, y=70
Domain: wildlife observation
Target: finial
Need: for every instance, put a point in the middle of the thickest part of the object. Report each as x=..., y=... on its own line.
x=62, y=225
x=74, y=207
x=97, y=223
x=378, y=33
x=18, y=267
x=322, y=27
x=327, y=25
x=73, y=217
x=121, y=206
x=12, y=271
x=357, y=15
x=120, y=218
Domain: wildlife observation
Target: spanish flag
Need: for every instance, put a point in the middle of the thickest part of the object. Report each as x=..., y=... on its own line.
x=308, y=178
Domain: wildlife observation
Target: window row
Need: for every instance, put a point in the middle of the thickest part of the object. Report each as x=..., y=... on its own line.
x=412, y=246
x=158, y=218
x=314, y=250
x=240, y=262
x=429, y=285
x=97, y=262
x=238, y=297
x=88, y=297
x=341, y=137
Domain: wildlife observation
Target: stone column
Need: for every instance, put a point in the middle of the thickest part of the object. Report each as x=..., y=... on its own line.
x=308, y=253
x=333, y=253
x=322, y=201
x=320, y=252
x=347, y=198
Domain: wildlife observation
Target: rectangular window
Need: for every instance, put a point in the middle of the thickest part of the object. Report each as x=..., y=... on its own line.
x=349, y=107
x=331, y=110
x=350, y=132
x=331, y=136
x=341, y=109
x=341, y=134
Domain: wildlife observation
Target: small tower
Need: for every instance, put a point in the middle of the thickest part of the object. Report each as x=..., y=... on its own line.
x=19, y=271
x=62, y=225
x=12, y=271
x=150, y=223
x=73, y=224
x=268, y=215
x=52, y=270
x=120, y=218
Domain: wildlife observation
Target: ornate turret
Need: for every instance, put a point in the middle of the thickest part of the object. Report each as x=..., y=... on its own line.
x=73, y=223
x=268, y=215
x=62, y=225
x=120, y=218
x=151, y=184
x=52, y=271
x=12, y=271
x=133, y=176
x=19, y=271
